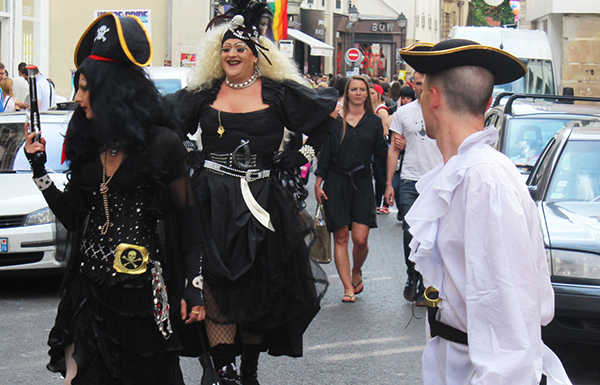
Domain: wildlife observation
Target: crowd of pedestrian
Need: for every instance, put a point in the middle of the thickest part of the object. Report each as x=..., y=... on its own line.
x=223, y=226
x=14, y=92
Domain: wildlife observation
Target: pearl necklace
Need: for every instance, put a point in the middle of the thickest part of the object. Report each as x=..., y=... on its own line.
x=245, y=84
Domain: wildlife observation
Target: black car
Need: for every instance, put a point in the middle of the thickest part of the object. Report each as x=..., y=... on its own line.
x=565, y=184
x=527, y=122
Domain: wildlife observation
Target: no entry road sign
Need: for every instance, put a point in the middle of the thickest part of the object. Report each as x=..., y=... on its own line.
x=353, y=55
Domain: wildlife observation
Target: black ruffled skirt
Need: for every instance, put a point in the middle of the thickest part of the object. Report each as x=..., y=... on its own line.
x=116, y=338
x=263, y=281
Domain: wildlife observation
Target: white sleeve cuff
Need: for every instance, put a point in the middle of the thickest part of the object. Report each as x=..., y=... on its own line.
x=43, y=182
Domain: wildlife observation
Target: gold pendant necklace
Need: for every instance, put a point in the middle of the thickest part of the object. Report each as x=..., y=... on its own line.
x=220, y=130
x=104, y=192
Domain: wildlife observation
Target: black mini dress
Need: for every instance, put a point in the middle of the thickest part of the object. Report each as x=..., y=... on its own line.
x=345, y=166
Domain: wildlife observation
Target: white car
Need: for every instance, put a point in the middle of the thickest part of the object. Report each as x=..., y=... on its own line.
x=169, y=79
x=27, y=226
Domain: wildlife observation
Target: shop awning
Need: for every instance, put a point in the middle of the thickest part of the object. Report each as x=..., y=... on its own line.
x=317, y=47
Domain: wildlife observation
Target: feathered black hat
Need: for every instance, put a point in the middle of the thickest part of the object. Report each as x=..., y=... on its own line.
x=427, y=58
x=114, y=38
x=244, y=23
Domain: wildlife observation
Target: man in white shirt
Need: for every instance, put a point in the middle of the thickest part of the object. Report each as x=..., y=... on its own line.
x=45, y=92
x=20, y=84
x=420, y=156
x=477, y=237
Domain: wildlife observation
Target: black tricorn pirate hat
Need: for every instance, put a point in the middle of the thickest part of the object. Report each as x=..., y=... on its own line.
x=428, y=59
x=114, y=38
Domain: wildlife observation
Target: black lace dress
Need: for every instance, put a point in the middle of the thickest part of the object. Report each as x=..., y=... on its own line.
x=261, y=279
x=110, y=316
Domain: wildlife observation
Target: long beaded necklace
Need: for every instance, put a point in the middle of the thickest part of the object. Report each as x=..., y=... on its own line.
x=104, y=192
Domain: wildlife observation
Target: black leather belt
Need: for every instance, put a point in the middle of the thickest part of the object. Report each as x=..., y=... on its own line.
x=443, y=330
x=436, y=327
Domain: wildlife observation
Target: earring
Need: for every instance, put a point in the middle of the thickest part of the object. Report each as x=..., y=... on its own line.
x=256, y=69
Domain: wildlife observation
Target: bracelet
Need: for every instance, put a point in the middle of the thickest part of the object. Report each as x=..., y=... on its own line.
x=198, y=282
x=308, y=151
x=43, y=182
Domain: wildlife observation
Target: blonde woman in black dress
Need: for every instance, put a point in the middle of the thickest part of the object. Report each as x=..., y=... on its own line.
x=344, y=183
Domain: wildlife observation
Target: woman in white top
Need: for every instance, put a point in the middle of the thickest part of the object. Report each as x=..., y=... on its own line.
x=10, y=102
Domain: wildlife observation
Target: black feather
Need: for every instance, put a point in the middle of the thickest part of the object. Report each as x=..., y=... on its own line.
x=252, y=10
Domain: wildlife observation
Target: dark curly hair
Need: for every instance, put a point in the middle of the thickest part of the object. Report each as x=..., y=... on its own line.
x=127, y=110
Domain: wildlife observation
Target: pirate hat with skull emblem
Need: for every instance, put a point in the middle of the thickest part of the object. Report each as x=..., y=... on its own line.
x=116, y=39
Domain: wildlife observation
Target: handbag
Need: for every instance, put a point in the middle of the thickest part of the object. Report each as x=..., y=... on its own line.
x=209, y=373
x=320, y=239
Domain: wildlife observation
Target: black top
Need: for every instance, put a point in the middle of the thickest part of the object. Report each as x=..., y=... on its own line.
x=360, y=143
x=137, y=200
x=298, y=108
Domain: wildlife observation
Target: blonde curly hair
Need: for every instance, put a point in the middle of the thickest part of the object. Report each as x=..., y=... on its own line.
x=209, y=69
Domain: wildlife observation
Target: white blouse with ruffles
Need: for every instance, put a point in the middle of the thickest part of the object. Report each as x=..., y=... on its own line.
x=477, y=239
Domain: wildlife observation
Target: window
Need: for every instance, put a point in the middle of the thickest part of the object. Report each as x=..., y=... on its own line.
x=577, y=173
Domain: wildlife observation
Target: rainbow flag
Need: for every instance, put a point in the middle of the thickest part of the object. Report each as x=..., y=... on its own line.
x=280, y=19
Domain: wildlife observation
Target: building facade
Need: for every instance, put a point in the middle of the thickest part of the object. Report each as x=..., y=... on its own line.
x=45, y=32
x=24, y=34
x=573, y=28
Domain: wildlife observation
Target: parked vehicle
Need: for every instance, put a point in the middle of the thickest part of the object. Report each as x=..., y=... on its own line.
x=527, y=122
x=169, y=79
x=27, y=226
x=565, y=185
x=532, y=47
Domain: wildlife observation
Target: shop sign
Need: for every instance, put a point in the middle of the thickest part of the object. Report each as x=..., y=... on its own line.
x=382, y=27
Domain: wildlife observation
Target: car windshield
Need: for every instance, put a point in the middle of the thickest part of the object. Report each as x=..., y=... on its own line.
x=577, y=174
x=526, y=138
x=167, y=86
x=12, y=140
x=538, y=80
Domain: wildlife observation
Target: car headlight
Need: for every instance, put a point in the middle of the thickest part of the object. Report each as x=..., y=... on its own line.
x=40, y=217
x=575, y=264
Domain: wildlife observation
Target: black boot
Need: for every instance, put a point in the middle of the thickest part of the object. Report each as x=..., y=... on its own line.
x=224, y=360
x=249, y=366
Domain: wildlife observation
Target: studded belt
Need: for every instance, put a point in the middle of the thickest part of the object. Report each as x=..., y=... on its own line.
x=250, y=175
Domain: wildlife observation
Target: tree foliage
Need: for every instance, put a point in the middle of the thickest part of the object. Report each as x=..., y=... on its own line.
x=502, y=12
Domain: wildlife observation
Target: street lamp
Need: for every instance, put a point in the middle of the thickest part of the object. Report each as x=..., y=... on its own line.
x=353, y=17
x=353, y=14
x=402, y=22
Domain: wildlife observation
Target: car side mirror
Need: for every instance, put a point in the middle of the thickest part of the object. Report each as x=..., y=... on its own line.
x=533, y=191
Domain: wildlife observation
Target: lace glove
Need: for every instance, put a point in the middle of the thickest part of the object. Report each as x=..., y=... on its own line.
x=291, y=159
x=196, y=159
x=37, y=161
x=193, y=295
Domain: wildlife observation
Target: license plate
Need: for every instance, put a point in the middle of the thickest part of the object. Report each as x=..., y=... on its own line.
x=3, y=245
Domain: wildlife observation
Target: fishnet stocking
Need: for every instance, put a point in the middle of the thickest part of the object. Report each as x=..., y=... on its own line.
x=220, y=332
x=251, y=339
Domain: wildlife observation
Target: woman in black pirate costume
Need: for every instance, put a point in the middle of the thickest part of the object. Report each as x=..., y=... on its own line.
x=261, y=290
x=127, y=176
